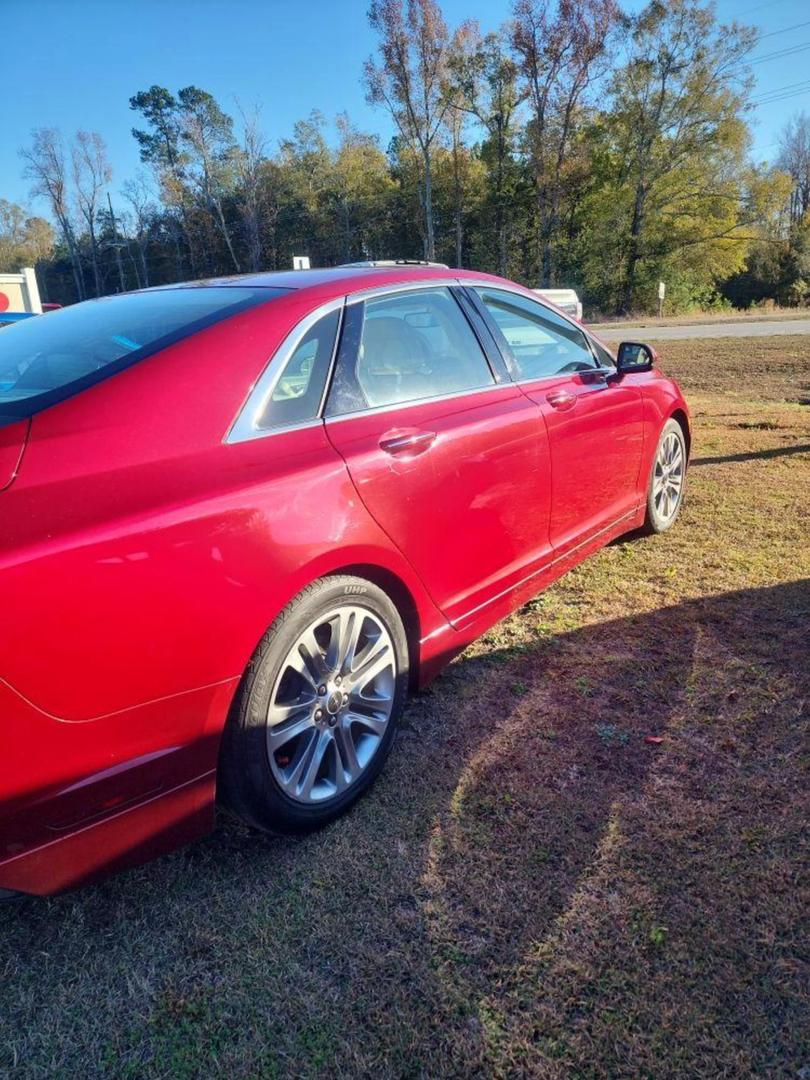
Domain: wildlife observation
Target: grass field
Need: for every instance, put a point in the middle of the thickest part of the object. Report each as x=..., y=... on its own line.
x=532, y=888
x=752, y=314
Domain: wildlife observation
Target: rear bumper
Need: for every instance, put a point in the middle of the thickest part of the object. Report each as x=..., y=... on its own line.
x=119, y=842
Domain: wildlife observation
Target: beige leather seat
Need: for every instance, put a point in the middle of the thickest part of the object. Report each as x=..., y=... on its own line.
x=392, y=364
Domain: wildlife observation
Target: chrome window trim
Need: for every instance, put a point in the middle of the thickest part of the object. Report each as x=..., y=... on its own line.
x=397, y=406
x=566, y=375
x=298, y=425
x=245, y=426
x=400, y=286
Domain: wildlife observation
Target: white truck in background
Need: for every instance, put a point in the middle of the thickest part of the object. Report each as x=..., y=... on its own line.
x=565, y=299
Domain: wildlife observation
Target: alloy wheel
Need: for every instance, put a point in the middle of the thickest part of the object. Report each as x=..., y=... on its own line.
x=668, y=476
x=331, y=704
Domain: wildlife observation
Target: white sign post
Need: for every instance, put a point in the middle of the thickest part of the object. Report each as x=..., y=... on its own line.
x=300, y=262
x=662, y=291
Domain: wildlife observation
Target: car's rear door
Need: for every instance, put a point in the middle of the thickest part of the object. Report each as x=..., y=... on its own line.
x=448, y=455
x=595, y=423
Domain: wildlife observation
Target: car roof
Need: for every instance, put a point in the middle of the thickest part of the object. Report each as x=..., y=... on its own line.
x=332, y=281
x=329, y=283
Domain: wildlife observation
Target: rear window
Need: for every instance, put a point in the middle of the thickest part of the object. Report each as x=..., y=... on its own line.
x=49, y=357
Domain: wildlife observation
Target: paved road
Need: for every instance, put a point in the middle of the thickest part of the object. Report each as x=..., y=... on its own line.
x=738, y=328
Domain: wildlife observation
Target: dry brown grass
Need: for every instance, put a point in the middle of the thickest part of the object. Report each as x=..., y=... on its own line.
x=532, y=889
x=749, y=370
x=752, y=314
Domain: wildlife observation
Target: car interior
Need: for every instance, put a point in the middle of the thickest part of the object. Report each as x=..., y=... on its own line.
x=418, y=345
x=540, y=342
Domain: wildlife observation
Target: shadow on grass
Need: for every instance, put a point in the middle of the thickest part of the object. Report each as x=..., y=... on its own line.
x=434, y=925
x=753, y=455
x=568, y=739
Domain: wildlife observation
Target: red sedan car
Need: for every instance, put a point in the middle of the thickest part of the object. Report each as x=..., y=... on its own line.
x=241, y=519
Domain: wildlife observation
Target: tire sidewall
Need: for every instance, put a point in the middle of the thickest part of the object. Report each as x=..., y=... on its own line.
x=261, y=796
x=655, y=522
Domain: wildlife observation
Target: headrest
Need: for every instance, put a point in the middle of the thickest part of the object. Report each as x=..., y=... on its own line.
x=390, y=344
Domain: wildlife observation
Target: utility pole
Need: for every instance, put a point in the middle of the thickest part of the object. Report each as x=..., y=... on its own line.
x=117, y=246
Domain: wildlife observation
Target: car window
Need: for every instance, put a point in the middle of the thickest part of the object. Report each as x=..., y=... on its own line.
x=48, y=357
x=540, y=341
x=606, y=358
x=413, y=345
x=297, y=393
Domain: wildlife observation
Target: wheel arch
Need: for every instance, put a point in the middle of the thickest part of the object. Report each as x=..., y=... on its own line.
x=404, y=601
x=680, y=416
x=384, y=578
x=227, y=786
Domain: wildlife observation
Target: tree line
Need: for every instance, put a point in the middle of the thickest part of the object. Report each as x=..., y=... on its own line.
x=576, y=145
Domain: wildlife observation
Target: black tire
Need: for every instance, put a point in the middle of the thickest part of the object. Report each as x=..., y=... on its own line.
x=247, y=783
x=655, y=521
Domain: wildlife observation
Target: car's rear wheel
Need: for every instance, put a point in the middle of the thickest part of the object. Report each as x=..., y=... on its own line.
x=317, y=711
x=667, y=479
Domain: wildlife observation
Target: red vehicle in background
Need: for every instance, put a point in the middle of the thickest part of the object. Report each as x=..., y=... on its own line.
x=242, y=518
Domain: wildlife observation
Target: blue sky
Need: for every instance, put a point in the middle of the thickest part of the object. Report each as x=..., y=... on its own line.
x=71, y=65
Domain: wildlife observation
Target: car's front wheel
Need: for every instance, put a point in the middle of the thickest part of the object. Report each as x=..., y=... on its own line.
x=667, y=479
x=317, y=710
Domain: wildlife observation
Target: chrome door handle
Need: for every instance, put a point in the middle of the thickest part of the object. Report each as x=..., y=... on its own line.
x=407, y=442
x=561, y=399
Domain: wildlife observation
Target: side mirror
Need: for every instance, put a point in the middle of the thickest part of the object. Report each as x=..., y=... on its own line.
x=635, y=356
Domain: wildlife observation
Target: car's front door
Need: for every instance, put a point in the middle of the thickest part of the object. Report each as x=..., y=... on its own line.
x=594, y=423
x=452, y=463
